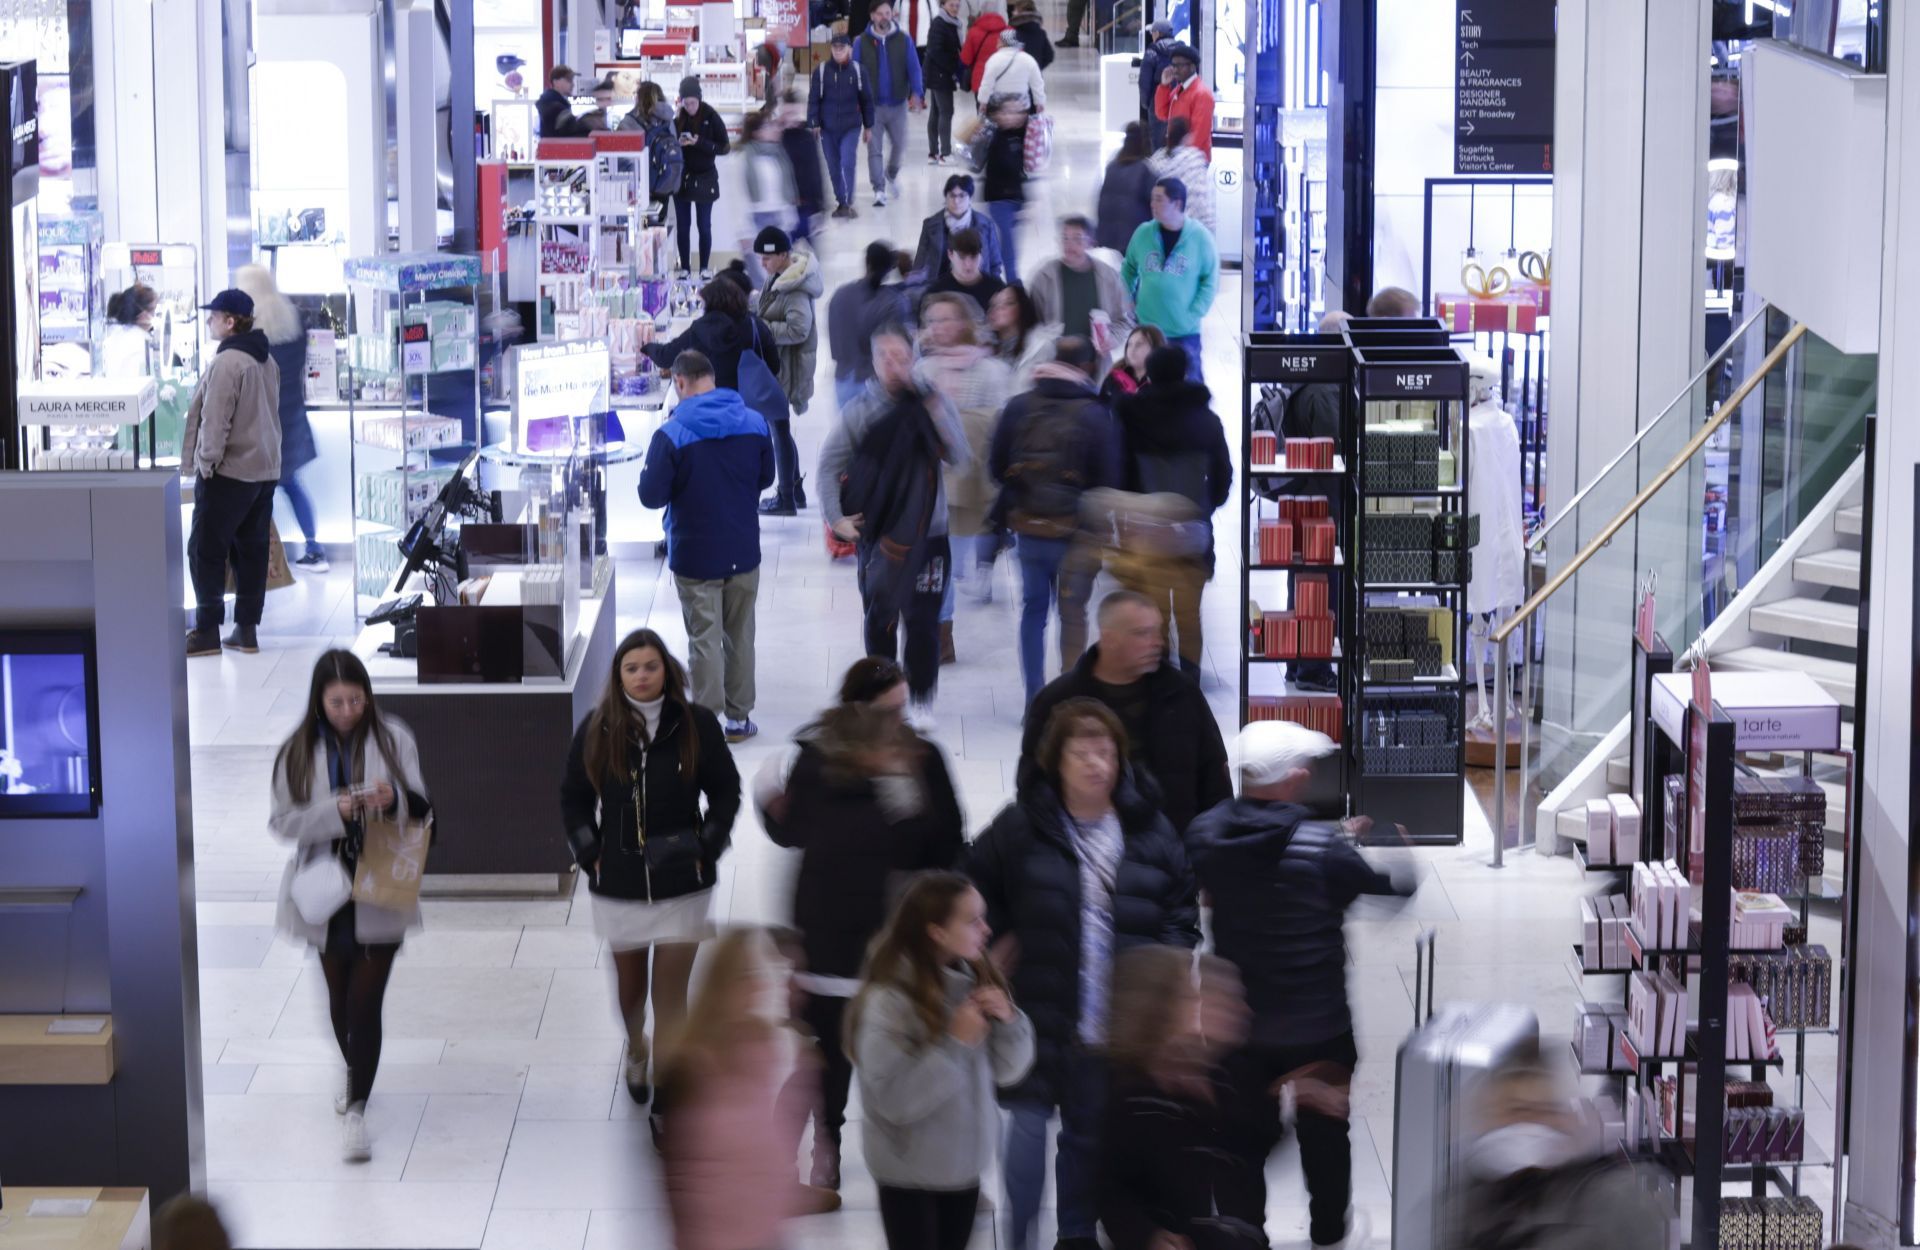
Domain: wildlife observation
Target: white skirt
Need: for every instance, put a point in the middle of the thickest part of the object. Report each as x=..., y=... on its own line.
x=629, y=924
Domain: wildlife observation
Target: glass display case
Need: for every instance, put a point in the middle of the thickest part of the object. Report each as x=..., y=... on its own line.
x=73, y=300
x=87, y=424
x=169, y=351
x=413, y=399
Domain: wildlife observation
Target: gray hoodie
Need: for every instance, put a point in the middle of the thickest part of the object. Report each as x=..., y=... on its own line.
x=862, y=415
x=932, y=1119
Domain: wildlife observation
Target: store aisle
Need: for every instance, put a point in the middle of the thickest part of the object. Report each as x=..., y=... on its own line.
x=497, y=1120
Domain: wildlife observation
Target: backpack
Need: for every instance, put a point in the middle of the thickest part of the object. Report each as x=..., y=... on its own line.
x=1046, y=474
x=666, y=163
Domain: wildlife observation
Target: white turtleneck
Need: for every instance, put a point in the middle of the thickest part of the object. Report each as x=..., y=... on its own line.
x=649, y=712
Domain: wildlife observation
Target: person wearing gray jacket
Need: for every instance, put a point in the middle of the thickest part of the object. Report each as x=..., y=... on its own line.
x=787, y=304
x=933, y=1033
x=1081, y=293
x=232, y=451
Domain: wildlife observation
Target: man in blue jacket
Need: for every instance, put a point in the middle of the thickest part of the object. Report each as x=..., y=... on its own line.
x=888, y=61
x=839, y=111
x=707, y=466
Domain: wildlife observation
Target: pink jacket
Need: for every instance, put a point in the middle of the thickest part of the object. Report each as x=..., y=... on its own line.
x=729, y=1154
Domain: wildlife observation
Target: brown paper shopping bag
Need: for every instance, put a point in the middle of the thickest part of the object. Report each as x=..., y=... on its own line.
x=393, y=855
x=279, y=572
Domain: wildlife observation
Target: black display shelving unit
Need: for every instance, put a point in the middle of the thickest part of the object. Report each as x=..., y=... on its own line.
x=1406, y=740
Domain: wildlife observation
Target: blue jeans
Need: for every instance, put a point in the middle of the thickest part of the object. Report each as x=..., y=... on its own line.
x=1191, y=344
x=841, y=147
x=1082, y=1096
x=302, y=505
x=1006, y=215
x=846, y=390
x=1050, y=571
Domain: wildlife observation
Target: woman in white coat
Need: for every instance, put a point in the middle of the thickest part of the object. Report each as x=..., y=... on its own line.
x=343, y=764
x=1013, y=71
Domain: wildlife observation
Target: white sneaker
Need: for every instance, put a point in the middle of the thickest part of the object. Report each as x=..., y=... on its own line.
x=920, y=717
x=340, y=1098
x=879, y=199
x=356, y=1147
x=893, y=187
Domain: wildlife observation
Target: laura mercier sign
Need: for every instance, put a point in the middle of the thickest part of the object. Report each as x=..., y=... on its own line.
x=1503, y=87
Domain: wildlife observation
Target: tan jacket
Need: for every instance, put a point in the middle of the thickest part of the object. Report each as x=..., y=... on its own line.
x=1111, y=294
x=233, y=424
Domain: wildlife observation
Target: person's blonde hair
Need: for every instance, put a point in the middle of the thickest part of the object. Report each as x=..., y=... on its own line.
x=272, y=311
x=712, y=1026
x=966, y=308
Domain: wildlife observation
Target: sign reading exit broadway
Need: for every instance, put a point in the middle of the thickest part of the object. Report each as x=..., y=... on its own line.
x=1503, y=87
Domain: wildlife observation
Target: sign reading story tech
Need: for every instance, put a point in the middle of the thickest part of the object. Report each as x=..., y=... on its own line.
x=1503, y=87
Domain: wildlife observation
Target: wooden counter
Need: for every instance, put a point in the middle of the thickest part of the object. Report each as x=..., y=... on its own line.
x=29, y=1055
x=118, y=1220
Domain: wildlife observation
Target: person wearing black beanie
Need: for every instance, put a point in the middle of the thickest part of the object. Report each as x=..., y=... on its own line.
x=703, y=140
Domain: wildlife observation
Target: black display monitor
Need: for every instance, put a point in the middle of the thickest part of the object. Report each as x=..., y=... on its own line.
x=49, y=724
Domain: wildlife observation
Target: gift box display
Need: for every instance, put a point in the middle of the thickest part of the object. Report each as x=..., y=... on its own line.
x=1791, y=802
x=1410, y=734
x=1310, y=453
x=1401, y=644
x=1305, y=633
x=1266, y=447
x=1398, y=548
x=1304, y=532
x=1320, y=712
x=1795, y=984
x=1783, y=1223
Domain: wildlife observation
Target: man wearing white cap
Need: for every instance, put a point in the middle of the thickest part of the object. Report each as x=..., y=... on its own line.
x=1280, y=884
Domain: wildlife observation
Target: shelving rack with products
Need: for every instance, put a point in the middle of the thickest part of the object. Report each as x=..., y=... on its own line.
x=413, y=397
x=1294, y=660
x=73, y=302
x=1410, y=547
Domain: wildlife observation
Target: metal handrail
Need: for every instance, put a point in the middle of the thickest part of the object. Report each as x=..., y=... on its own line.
x=1713, y=362
x=1497, y=640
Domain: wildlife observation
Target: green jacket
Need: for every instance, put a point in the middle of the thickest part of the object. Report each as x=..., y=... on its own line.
x=1172, y=292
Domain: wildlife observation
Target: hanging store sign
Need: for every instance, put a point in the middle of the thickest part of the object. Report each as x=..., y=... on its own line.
x=1503, y=87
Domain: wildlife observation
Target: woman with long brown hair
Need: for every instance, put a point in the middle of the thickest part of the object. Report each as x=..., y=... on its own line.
x=344, y=764
x=933, y=1034
x=642, y=763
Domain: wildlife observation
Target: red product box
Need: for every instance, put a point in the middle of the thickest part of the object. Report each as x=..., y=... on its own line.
x=1263, y=707
x=1315, y=637
x=1303, y=507
x=1276, y=542
x=1317, y=541
x=1309, y=453
x=1319, y=712
x=1266, y=447
x=1280, y=635
x=1310, y=596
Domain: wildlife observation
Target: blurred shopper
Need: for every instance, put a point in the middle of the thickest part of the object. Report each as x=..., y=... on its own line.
x=983, y=40
x=286, y=335
x=1055, y=443
x=1125, y=202
x=1129, y=374
x=787, y=305
x=346, y=767
x=1176, y=444
x=1078, y=869
x=1011, y=70
x=703, y=141
x=1393, y=301
x=776, y=69
x=882, y=487
x=891, y=66
x=726, y=1157
x=648, y=801
x=1171, y=735
x=1533, y=1181
x=1182, y=93
x=802, y=147
x=127, y=348
x=1280, y=883
x=1153, y=64
x=858, y=311
x=724, y=331
x=964, y=370
x=933, y=1033
x=967, y=273
x=771, y=194
x=868, y=802
x=1179, y=158
x=1005, y=175
x=231, y=448
x=930, y=260
x=1019, y=338
x=1024, y=17
x=1173, y=272
x=840, y=110
x=554, y=108
x=944, y=76
x=653, y=114
x=1081, y=293
x=707, y=465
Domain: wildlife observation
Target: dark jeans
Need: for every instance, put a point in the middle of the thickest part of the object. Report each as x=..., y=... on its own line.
x=824, y=1016
x=927, y=1219
x=302, y=505
x=786, y=462
x=1052, y=571
x=939, y=122
x=1240, y=1188
x=891, y=592
x=1083, y=1096
x=234, y=519
x=356, y=994
x=683, y=211
x=841, y=148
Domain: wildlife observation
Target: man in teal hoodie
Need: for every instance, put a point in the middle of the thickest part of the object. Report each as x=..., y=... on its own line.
x=1173, y=272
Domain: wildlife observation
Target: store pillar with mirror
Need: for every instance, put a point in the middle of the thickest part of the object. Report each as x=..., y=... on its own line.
x=1496, y=584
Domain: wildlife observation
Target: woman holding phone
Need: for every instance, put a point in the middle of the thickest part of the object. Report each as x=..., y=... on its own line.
x=346, y=765
x=649, y=800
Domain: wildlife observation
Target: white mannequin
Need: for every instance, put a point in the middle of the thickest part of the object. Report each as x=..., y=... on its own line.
x=1498, y=584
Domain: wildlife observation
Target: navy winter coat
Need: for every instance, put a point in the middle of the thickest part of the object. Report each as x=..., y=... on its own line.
x=707, y=466
x=839, y=98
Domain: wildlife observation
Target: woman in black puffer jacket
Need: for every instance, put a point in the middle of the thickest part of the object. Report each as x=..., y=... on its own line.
x=869, y=802
x=1079, y=847
x=641, y=764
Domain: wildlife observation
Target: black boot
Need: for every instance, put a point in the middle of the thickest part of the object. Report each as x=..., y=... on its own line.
x=203, y=642
x=773, y=505
x=244, y=640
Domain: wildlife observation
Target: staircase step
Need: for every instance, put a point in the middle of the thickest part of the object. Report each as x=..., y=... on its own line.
x=1837, y=567
x=1809, y=620
x=1834, y=676
x=1851, y=521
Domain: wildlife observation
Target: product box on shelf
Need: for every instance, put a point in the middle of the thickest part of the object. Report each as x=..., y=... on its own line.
x=1320, y=712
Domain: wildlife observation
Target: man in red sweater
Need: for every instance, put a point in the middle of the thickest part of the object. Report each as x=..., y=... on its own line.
x=1183, y=93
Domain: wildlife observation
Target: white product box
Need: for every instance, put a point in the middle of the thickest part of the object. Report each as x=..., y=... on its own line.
x=1626, y=828
x=1600, y=832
